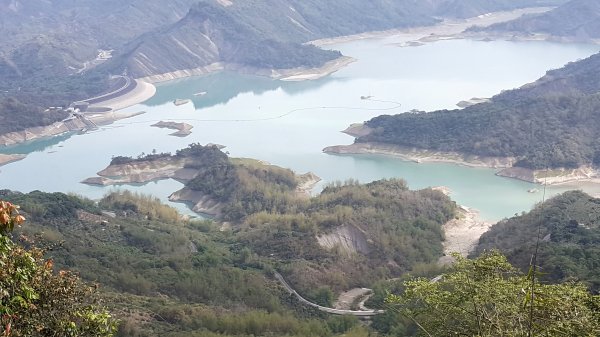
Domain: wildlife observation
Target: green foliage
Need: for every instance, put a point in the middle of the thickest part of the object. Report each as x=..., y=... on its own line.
x=570, y=239
x=148, y=206
x=342, y=324
x=550, y=123
x=488, y=297
x=142, y=253
x=323, y=296
x=394, y=230
x=34, y=301
x=50, y=206
x=244, y=186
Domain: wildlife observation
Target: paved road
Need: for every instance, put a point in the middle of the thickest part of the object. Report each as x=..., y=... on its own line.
x=128, y=86
x=365, y=313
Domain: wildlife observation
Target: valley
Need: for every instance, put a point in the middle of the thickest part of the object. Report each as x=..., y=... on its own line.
x=204, y=190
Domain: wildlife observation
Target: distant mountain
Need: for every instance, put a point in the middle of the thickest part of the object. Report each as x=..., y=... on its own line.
x=577, y=19
x=266, y=34
x=49, y=48
x=569, y=231
x=552, y=122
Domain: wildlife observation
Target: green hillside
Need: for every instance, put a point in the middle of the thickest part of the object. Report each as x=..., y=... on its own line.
x=549, y=123
x=569, y=227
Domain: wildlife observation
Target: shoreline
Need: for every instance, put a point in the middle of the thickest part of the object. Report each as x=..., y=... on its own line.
x=442, y=30
x=145, y=88
x=462, y=234
x=420, y=156
x=146, y=171
x=505, y=165
x=553, y=177
x=10, y=158
x=292, y=74
x=581, y=176
x=141, y=93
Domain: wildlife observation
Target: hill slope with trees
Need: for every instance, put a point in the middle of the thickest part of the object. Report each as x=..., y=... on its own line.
x=552, y=122
x=138, y=248
x=569, y=231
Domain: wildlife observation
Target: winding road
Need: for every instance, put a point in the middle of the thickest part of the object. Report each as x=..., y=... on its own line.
x=128, y=86
x=357, y=313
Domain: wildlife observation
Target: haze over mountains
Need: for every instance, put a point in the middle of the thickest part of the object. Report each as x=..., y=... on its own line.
x=49, y=49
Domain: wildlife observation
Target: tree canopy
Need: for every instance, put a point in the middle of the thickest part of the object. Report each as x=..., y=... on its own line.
x=487, y=296
x=36, y=301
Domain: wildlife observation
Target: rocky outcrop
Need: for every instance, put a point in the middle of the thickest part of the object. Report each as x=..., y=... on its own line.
x=358, y=130
x=552, y=176
x=520, y=173
x=183, y=129
x=139, y=172
x=347, y=240
x=40, y=132
x=199, y=202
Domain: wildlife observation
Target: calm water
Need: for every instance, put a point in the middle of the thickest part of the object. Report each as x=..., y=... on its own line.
x=289, y=123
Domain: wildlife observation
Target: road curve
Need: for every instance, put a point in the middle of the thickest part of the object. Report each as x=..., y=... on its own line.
x=358, y=313
x=128, y=86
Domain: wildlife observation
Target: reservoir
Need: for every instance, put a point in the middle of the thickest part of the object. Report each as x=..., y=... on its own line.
x=289, y=123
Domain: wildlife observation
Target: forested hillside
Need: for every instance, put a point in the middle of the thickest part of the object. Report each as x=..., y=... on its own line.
x=168, y=276
x=552, y=122
x=392, y=228
x=569, y=249
x=576, y=20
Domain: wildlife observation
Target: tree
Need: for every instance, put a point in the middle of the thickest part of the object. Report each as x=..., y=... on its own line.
x=36, y=301
x=489, y=297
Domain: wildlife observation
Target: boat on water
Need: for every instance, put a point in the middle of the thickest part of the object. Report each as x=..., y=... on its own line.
x=201, y=93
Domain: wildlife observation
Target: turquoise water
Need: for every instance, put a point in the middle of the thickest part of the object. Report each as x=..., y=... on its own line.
x=289, y=123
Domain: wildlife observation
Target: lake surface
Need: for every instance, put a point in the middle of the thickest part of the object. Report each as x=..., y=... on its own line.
x=289, y=123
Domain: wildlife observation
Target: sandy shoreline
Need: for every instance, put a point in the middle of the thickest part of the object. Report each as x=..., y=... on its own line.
x=293, y=74
x=463, y=233
x=9, y=158
x=584, y=174
x=420, y=156
x=327, y=69
x=579, y=178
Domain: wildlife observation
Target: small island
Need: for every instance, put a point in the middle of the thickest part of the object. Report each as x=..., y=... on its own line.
x=183, y=129
x=180, y=101
x=215, y=184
